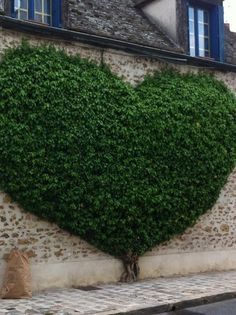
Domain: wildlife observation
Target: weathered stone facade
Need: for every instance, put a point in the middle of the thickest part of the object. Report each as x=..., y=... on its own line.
x=60, y=259
x=230, y=45
x=215, y=230
x=42, y=241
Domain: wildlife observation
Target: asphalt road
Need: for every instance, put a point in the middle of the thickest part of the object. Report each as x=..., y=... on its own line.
x=219, y=308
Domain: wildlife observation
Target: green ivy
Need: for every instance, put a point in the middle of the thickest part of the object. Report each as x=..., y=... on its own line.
x=124, y=168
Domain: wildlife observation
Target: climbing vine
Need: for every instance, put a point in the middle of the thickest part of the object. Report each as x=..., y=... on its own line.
x=124, y=168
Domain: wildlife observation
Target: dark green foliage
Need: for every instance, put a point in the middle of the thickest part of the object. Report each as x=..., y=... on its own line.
x=190, y=133
x=123, y=168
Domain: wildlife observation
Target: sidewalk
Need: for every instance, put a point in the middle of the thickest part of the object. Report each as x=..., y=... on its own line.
x=119, y=298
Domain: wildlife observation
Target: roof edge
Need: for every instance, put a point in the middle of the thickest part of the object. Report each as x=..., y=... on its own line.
x=142, y=3
x=107, y=42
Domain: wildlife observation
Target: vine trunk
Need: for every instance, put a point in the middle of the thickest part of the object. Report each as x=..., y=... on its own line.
x=131, y=267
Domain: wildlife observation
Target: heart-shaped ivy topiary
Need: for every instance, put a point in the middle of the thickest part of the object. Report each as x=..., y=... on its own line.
x=124, y=168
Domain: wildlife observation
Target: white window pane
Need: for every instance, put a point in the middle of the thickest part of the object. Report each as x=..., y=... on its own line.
x=47, y=6
x=192, y=41
x=207, y=45
x=201, y=53
x=206, y=30
x=206, y=17
x=23, y=15
x=199, y=33
x=47, y=19
x=203, y=32
x=192, y=52
x=201, y=29
x=200, y=15
x=20, y=4
x=191, y=13
x=191, y=27
x=38, y=5
x=24, y=4
x=201, y=43
x=39, y=18
x=16, y=4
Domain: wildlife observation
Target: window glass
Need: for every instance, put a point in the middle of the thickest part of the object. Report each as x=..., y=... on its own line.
x=201, y=43
x=23, y=15
x=207, y=44
x=43, y=11
x=192, y=41
x=38, y=10
x=199, y=35
x=47, y=19
x=203, y=32
x=191, y=27
x=206, y=16
x=24, y=4
x=47, y=6
x=200, y=16
x=191, y=13
x=21, y=9
x=206, y=29
x=39, y=18
x=38, y=5
x=201, y=29
x=20, y=4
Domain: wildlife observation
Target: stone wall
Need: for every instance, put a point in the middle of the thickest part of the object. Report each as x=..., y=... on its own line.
x=215, y=230
x=60, y=259
x=132, y=68
x=230, y=45
x=49, y=248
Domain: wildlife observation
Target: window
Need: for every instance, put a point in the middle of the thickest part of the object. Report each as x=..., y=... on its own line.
x=205, y=30
x=199, y=32
x=21, y=9
x=42, y=11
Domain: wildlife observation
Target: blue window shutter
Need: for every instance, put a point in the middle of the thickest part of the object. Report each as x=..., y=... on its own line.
x=214, y=30
x=221, y=33
x=217, y=32
x=13, y=13
x=31, y=9
x=56, y=13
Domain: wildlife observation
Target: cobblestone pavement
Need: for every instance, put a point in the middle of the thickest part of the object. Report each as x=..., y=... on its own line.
x=115, y=298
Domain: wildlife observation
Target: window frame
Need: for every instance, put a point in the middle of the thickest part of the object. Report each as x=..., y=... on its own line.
x=196, y=32
x=55, y=12
x=216, y=28
x=42, y=13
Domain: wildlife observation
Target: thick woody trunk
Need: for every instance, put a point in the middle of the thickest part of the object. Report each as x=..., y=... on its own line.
x=132, y=269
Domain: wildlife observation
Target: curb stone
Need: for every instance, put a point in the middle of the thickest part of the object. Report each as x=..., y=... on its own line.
x=181, y=305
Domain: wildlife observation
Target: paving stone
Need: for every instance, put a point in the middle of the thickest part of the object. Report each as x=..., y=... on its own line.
x=114, y=298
